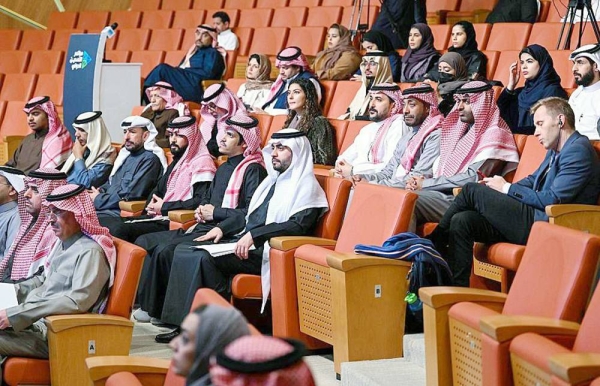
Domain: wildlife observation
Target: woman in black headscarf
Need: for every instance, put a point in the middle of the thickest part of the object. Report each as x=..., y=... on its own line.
x=541, y=81
x=377, y=41
x=421, y=55
x=464, y=42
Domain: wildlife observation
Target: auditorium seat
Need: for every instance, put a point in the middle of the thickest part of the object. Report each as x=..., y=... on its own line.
x=289, y=17
x=93, y=21
x=328, y=88
x=174, y=58
x=474, y=11
x=62, y=37
x=269, y=41
x=345, y=91
x=336, y=3
x=564, y=67
x=505, y=59
x=304, y=3
x=14, y=62
x=148, y=59
x=352, y=130
x=310, y=39
x=244, y=35
x=439, y=9
x=133, y=39
x=45, y=62
x=2, y=105
x=234, y=84
x=264, y=124
x=240, y=4
x=209, y=4
x=157, y=19
x=492, y=62
x=146, y=5
x=556, y=12
x=36, y=40
x=230, y=60
x=367, y=16
x=175, y=5
x=166, y=39
x=275, y=4
x=323, y=16
x=544, y=9
x=276, y=124
x=18, y=87
x=545, y=34
x=52, y=86
x=189, y=38
x=126, y=19
x=14, y=122
x=234, y=15
x=340, y=127
x=441, y=36
x=62, y=20
x=9, y=39
x=189, y=18
x=508, y=36
x=255, y=18
x=482, y=32
x=118, y=56
x=588, y=36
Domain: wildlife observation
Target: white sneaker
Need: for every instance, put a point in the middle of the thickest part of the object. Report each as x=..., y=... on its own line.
x=141, y=316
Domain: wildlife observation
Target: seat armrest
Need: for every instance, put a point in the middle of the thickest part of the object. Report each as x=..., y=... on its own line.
x=285, y=243
x=348, y=261
x=575, y=368
x=581, y=217
x=100, y=368
x=321, y=166
x=181, y=216
x=505, y=327
x=565, y=209
x=58, y=323
x=437, y=297
x=132, y=206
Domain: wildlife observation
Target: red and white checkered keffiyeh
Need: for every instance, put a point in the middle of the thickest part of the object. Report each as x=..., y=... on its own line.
x=224, y=99
x=34, y=241
x=488, y=138
x=394, y=93
x=58, y=143
x=241, y=361
x=297, y=58
x=173, y=100
x=247, y=127
x=429, y=125
x=82, y=207
x=196, y=163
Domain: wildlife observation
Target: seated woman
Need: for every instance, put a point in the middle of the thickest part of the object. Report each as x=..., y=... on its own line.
x=464, y=42
x=340, y=59
x=452, y=74
x=305, y=115
x=421, y=56
x=204, y=332
x=541, y=81
x=258, y=83
x=377, y=41
x=165, y=104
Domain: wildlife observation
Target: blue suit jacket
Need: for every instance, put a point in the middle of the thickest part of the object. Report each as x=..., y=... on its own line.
x=573, y=177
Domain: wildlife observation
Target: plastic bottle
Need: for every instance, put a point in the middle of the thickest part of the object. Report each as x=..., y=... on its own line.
x=414, y=303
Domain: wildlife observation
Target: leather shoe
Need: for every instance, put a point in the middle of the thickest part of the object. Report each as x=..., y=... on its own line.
x=167, y=336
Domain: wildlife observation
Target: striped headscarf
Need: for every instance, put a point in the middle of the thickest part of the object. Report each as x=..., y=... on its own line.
x=223, y=98
x=290, y=56
x=173, y=100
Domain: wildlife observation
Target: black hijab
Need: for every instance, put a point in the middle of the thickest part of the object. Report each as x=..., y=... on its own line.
x=470, y=46
x=383, y=42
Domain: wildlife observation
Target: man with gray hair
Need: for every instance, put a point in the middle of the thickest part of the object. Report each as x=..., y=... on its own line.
x=585, y=101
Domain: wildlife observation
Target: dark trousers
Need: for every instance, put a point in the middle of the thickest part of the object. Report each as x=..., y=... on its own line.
x=131, y=231
x=479, y=214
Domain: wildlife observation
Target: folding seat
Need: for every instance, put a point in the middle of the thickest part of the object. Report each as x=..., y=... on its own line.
x=188, y=19
x=340, y=127
x=492, y=63
x=69, y=335
x=340, y=3
x=18, y=87
x=189, y=37
x=556, y=12
x=93, y=21
x=545, y=34
x=264, y=124
x=588, y=36
x=121, y=56
x=328, y=88
x=304, y=3
x=269, y=41
x=149, y=59
x=157, y=19
x=564, y=67
x=62, y=20
x=344, y=93
x=174, y=58
x=244, y=35
x=482, y=32
x=209, y=4
x=352, y=130
x=310, y=39
x=14, y=123
x=36, y=40
x=45, y=62
x=323, y=16
x=240, y=4
x=508, y=36
x=126, y=19
x=234, y=15
x=62, y=38
x=230, y=60
x=367, y=16
x=466, y=329
x=275, y=4
x=133, y=39
x=289, y=17
x=146, y=5
x=14, y=62
x=441, y=36
x=255, y=18
x=505, y=59
x=276, y=124
x=52, y=86
x=474, y=11
x=438, y=10
x=9, y=39
x=175, y=5
x=166, y=39
x=234, y=84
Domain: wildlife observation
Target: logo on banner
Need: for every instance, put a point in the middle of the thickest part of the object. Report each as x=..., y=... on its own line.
x=80, y=60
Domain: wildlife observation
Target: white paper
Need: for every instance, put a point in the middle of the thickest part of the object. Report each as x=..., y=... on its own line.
x=8, y=296
x=157, y=218
x=219, y=249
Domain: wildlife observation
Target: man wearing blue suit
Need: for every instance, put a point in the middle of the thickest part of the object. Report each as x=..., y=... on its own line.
x=496, y=211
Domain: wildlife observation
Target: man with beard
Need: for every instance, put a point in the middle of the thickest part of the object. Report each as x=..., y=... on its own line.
x=585, y=101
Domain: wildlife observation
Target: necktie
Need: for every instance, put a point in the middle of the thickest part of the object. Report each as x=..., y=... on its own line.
x=258, y=217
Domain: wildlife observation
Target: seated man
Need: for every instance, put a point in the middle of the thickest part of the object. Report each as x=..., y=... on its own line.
x=475, y=142
x=92, y=157
x=50, y=143
x=185, y=182
x=138, y=167
x=292, y=64
x=229, y=195
x=375, y=69
x=11, y=187
x=298, y=203
x=503, y=212
x=417, y=150
x=218, y=105
x=77, y=281
x=584, y=100
x=202, y=61
x=374, y=146
x=227, y=39
x=165, y=105
x=34, y=241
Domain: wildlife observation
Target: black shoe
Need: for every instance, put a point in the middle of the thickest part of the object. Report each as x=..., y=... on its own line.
x=167, y=336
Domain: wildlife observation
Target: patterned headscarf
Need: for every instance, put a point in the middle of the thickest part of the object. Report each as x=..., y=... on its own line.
x=393, y=92
x=290, y=56
x=222, y=97
x=261, y=360
x=75, y=199
x=488, y=138
x=335, y=53
x=34, y=241
x=263, y=81
x=173, y=100
x=248, y=128
x=195, y=165
x=99, y=142
x=57, y=143
x=192, y=50
x=425, y=94
x=360, y=103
